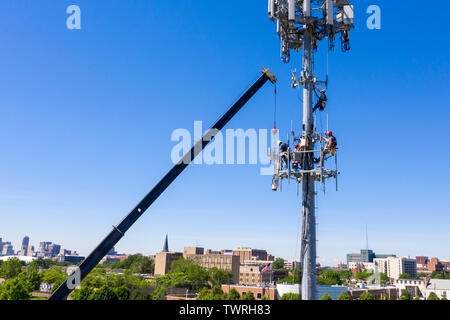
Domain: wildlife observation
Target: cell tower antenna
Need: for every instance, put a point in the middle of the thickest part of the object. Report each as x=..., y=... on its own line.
x=301, y=24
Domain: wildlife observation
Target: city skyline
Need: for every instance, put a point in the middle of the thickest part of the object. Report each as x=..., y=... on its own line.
x=87, y=115
x=344, y=259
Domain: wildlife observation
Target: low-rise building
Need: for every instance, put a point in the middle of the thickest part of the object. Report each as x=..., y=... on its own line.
x=366, y=255
x=441, y=287
x=258, y=292
x=164, y=260
x=361, y=266
x=227, y=262
x=248, y=254
x=291, y=265
x=416, y=287
x=114, y=258
x=190, y=251
x=421, y=262
x=333, y=291
x=250, y=274
x=376, y=292
x=394, y=267
x=70, y=258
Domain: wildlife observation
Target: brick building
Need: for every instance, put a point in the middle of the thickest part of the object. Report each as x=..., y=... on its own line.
x=164, y=260
x=258, y=292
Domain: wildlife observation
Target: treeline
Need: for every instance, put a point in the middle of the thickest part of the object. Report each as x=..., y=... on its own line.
x=184, y=273
x=22, y=279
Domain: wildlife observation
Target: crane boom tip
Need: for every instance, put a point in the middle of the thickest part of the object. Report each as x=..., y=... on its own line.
x=269, y=75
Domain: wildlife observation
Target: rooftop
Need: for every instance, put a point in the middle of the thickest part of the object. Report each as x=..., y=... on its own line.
x=439, y=284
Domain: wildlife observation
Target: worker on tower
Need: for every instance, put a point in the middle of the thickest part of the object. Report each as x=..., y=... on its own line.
x=284, y=151
x=330, y=148
x=297, y=156
x=322, y=99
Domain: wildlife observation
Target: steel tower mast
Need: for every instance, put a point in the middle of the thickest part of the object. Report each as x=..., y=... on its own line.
x=308, y=240
x=301, y=24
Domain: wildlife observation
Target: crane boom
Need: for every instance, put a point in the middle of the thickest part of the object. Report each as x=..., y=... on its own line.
x=118, y=232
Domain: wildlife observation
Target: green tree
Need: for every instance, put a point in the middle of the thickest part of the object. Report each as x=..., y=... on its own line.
x=160, y=293
x=119, y=280
x=15, y=289
x=95, y=279
x=416, y=298
x=234, y=294
x=405, y=276
x=432, y=296
x=33, y=278
x=345, y=275
x=196, y=276
x=366, y=296
x=84, y=293
x=53, y=275
x=406, y=296
x=204, y=294
x=142, y=294
x=385, y=297
x=123, y=293
x=384, y=278
x=104, y=293
x=364, y=275
x=292, y=279
x=138, y=263
x=421, y=275
x=278, y=264
x=326, y=296
x=215, y=293
x=248, y=296
x=290, y=296
x=43, y=263
x=56, y=285
x=219, y=277
x=10, y=268
x=344, y=296
x=437, y=275
x=329, y=277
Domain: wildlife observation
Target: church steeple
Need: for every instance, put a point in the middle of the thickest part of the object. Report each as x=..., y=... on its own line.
x=166, y=244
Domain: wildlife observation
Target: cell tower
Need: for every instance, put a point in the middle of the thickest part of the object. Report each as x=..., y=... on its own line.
x=301, y=24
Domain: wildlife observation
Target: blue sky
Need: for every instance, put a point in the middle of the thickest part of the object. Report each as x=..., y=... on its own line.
x=86, y=117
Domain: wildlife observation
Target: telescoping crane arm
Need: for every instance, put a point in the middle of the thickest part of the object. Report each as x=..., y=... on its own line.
x=118, y=232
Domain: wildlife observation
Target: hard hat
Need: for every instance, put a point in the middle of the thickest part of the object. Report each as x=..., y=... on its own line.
x=279, y=142
x=323, y=90
x=296, y=145
x=329, y=133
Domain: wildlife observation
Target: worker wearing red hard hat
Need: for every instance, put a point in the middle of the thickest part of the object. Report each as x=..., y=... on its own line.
x=331, y=146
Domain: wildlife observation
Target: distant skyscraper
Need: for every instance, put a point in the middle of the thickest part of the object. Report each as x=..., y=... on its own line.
x=25, y=243
x=166, y=244
x=7, y=249
x=54, y=248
